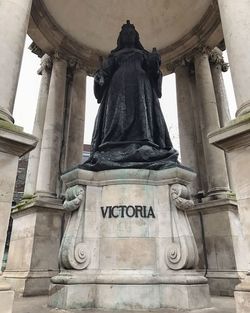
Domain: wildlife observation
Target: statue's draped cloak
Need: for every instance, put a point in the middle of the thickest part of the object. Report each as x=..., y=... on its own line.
x=130, y=130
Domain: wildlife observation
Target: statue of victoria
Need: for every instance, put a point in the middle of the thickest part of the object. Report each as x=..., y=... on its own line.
x=130, y=130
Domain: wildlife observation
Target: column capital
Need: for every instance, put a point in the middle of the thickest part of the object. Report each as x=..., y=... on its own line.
x=76, y=65
x=216, y=57
x=171, y=67
x=45, y=65
x=202, y=49
x=59, y=56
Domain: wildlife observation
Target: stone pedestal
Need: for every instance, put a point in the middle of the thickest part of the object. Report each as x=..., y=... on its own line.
x=221, y=244
x=128, y=243
x=34, y=246
x=13, y=144
x=235, y=140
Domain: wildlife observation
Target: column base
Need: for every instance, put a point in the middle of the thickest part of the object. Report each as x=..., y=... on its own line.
x=35, y=283
x=5, y=115
x=224, y=244
x=134, y=292
x=218, y=194
x=34, y=246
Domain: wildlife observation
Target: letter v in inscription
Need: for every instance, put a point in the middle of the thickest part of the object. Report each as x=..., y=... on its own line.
x=104, y=212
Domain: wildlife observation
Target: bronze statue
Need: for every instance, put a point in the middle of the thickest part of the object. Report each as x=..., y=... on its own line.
x=130, y=130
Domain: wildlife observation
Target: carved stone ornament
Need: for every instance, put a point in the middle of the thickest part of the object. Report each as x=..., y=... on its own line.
x=35, y=49
x=182, y=252
x=216, y=57
x=45, y=65
x=74, y=253
x=73, y=198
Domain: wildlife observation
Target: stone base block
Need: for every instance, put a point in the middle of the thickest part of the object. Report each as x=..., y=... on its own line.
x=219, y=237
x=34, y=247
x=223, y=284
x=30, y=284
x=242, y=300
x=129, y=297
x=242, y=296
x=6, y=301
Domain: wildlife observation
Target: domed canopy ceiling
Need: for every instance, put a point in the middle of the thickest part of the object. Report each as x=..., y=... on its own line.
x=89, y=28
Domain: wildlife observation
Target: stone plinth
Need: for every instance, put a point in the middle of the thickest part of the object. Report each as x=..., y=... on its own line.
x=128, y=243
x=34, y=246
x=13, y=144
x=218, y=234
x=235, y=139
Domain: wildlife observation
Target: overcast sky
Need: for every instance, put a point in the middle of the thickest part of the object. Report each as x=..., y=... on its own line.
x=28, y=88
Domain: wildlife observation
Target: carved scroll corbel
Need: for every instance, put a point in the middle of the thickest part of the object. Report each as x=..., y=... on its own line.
x=182, y=252
x=74, y=253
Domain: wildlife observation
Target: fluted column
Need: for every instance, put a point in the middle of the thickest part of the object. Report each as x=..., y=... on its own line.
x=34, y=156
x=74, y=147
x=14, y=18
x=48, y=171
x=235, y=18
x=214, y=158
x=186, y=121
x=218, y=66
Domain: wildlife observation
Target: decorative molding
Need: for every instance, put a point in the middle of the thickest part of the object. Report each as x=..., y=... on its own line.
x=74, y=253
x=184, y=47
x=180, y=195
x=45, y=65
x=73, y=198
x=59, y=55
x=216, y=57
x=182, y=252
x=75, y=65
x=36, y=50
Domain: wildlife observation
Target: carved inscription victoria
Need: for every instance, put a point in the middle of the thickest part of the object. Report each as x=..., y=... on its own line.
x=122, y=211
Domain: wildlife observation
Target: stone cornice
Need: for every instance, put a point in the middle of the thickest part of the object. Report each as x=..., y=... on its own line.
x=128, y=176
x=35, y=49
x=14, y=141
x=57, y=39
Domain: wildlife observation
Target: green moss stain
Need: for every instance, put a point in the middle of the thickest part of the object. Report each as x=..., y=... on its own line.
x=9, y=126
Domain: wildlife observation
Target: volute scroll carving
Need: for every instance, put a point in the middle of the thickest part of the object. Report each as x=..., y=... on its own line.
x=74, y=253
x=182, y=252
x=73, y=198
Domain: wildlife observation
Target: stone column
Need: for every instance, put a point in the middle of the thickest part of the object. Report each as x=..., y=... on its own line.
x=218, y=66
x=37, y=223
x=235, y=20
x=76, y=117
x=214, y=158
x=186, y=122
x=34, y=156
x=48, y=172
x=14, y=18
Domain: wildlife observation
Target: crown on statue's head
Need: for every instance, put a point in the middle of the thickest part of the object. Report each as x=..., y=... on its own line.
x=128, y=25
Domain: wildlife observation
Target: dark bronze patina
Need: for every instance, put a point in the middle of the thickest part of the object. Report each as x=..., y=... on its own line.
x=130, y=130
